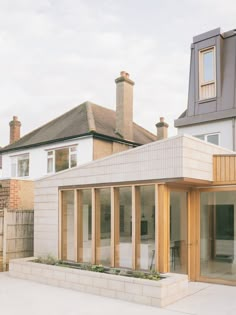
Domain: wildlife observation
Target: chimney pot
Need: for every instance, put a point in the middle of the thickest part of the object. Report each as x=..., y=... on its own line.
x=124, y=74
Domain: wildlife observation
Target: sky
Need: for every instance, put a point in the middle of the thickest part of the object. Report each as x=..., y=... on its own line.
x=57, y=54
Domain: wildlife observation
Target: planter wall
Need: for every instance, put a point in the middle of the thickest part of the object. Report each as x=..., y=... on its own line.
x=155, y=293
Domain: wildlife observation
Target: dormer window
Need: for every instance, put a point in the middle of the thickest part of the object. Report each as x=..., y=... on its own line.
x=207, y=73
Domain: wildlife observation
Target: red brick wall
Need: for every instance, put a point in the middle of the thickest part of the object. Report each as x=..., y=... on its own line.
x=16, y=194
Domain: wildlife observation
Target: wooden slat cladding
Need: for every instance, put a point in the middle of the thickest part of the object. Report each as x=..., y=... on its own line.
x=224, y=169
x=207, y=91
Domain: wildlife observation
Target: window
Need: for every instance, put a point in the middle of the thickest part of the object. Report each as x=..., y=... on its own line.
x=61, y=159
x=207, y=73
x=20, y=165
x=213, y=138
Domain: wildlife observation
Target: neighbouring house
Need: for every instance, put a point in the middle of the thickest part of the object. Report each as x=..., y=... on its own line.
x=85, y=133
x=168, y=205
x=211, y=110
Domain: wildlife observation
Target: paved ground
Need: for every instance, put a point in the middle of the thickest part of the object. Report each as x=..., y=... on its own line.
x=21, y=297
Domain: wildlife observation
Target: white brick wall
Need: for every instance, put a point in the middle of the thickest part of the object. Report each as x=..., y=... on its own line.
x=180, y=156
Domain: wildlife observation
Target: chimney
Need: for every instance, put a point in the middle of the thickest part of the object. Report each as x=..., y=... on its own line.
x=162, y=129
x=14, y=129
x=124, y=106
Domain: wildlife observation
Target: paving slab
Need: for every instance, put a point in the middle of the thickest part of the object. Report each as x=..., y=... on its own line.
x=23, y=297
x=206, y=299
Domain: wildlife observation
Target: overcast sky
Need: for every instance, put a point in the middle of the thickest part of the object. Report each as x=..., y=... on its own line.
x=56, y=54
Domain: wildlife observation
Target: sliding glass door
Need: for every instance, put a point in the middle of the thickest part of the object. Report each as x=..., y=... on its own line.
x=218, y=235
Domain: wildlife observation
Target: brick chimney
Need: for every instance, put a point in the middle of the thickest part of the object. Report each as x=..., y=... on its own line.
x=162, y=129
x=124, y=106
x=15, y=125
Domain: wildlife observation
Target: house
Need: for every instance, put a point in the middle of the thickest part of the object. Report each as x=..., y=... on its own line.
x=169, y=205
x=211, y=110
x=85, y=133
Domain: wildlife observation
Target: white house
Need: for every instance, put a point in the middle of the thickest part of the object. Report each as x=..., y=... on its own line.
x=85, y=133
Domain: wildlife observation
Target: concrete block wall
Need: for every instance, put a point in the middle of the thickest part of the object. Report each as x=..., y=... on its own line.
x=149, y=292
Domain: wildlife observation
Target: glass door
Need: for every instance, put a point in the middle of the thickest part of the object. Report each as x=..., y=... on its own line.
x=178, y=261
x=218, y=235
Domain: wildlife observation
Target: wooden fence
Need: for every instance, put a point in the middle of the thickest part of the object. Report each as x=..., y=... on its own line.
x=16, y=235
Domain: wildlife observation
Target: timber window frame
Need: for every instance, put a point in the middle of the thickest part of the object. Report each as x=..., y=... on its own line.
x=207, y=73
x=114, y=254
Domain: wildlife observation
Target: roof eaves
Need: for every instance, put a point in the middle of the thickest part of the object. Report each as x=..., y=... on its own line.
x=46, y=142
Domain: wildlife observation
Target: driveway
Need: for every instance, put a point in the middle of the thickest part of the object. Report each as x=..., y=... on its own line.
x=21, y=297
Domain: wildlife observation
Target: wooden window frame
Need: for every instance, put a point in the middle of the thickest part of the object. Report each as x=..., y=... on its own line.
x=202, y=82
x=136, y=214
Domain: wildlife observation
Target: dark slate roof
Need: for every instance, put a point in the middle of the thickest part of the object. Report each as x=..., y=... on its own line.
x=183, y=114
x=85, y=119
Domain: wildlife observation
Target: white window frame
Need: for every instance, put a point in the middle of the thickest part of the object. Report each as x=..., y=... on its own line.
x=51, y=155
x=15, y=164
x=207, y=135
x=202, y=83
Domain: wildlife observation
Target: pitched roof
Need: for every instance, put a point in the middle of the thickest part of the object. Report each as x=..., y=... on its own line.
x=85, y=119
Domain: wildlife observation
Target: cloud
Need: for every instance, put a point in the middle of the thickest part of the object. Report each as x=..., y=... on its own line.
x=55, y=54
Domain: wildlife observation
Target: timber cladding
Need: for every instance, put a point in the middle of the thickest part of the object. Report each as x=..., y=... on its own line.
x=16, y=235
x=16, y=220
x=224, y=169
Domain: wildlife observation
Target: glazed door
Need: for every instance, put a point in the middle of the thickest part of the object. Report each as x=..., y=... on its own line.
x=178, y=262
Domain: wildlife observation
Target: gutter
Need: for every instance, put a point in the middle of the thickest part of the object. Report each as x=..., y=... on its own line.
x=91, y=133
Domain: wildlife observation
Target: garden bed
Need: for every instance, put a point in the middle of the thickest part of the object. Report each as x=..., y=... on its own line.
x=169, y=289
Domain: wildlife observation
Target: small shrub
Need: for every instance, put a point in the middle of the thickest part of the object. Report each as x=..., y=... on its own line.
x=98, y=268
x=49, y=260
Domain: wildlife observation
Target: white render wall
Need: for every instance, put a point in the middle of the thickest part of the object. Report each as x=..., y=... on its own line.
x=180, y=156
x=38, y=157
x=224, y=128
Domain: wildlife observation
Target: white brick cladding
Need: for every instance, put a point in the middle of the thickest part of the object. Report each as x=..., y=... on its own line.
x=172, y=158
x=180, y=156
x=155, y=293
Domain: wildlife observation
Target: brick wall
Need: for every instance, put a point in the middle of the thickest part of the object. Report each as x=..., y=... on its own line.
x=16, y=194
